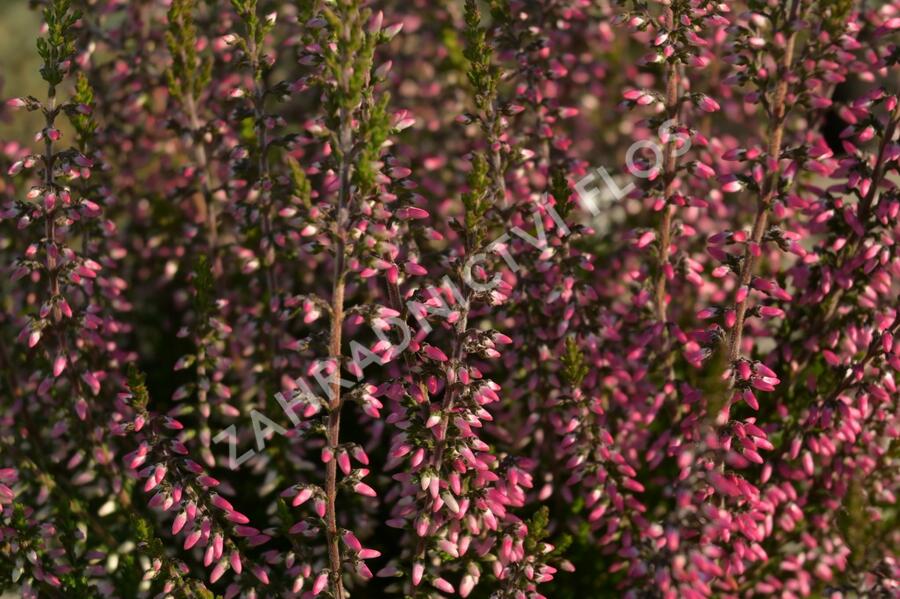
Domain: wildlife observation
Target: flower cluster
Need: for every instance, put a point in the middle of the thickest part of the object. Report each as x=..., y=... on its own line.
x=309, y=298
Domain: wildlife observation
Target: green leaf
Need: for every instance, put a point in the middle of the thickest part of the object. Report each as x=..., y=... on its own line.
x=574, y=368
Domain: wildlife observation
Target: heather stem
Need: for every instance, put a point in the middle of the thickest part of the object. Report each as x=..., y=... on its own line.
x=670, y=165
x=266, y=252
x=770, y=187
x=263, y=167
x=50, y=185
x=335, y=400
x=186, y=78
x=210, y=209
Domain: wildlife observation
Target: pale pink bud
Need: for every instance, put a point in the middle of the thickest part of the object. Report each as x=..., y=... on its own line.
x=261, y=574
x=217, y=572
x=33, y=338
x=179, y=522
x=343, y=461
x=221, y=503
x=732, y=186
x=192, y=539
x=418, y=570
x=92, y=381
x=235, y=560
x=708, y=104
x=646, y=239
x=302, y=496
x=435, y=353
x=442, y=585
x=393, y=30
x=364, y=489
x=320, y=582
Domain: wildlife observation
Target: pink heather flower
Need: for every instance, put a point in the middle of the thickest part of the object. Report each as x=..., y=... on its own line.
x=92, y=382
x=731, y=185
x=302, y=496
x=364, y=489
x=235, y=560
x=319, y=583
x=412, y=212
x=393, y=30
x=435, y=353
x=707, y=104
x=418, y=570
x=343, y=461
x=16, y=168
x=646, y=239
x=703, y=170
x=221, y=503
x=866, y=134
x=237, y=517
x=217, y=571
x=351, y=541
x=327, y=260
x=179, y=522
x=33, y=338
x=771, y=311
x=192, y=539
x=260, y=574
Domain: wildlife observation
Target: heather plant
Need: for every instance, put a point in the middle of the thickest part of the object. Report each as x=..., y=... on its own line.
x=504, y=298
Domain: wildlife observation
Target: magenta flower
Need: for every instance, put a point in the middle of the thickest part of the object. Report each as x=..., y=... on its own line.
x=509, y=299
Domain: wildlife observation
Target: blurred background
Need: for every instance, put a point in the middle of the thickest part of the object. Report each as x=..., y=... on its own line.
x=19, y=66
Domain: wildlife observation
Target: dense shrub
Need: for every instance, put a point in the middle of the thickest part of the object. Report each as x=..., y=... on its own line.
x=514, y=299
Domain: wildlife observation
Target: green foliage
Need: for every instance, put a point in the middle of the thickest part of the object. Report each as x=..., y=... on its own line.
x=709, y=378
x=482, y=74
x=559, y=189
x=537, y=529
x=19, y=521
x=456, y=58
x=59, y=44
x=204, y=282
x=149, y=542
x=476, y=199
x=500, y=11
x=76, y=584
x=129, y=575
x=247, y=131
x=574, y=368
x=285, y=518
x=145, y=535
x=189, y=73
x=256, y=31
x=83, y=124
x=834, y=14
x=373, y=132
x=138, y=387
x=300, y=184
x=350, y=63
x=306, y=10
